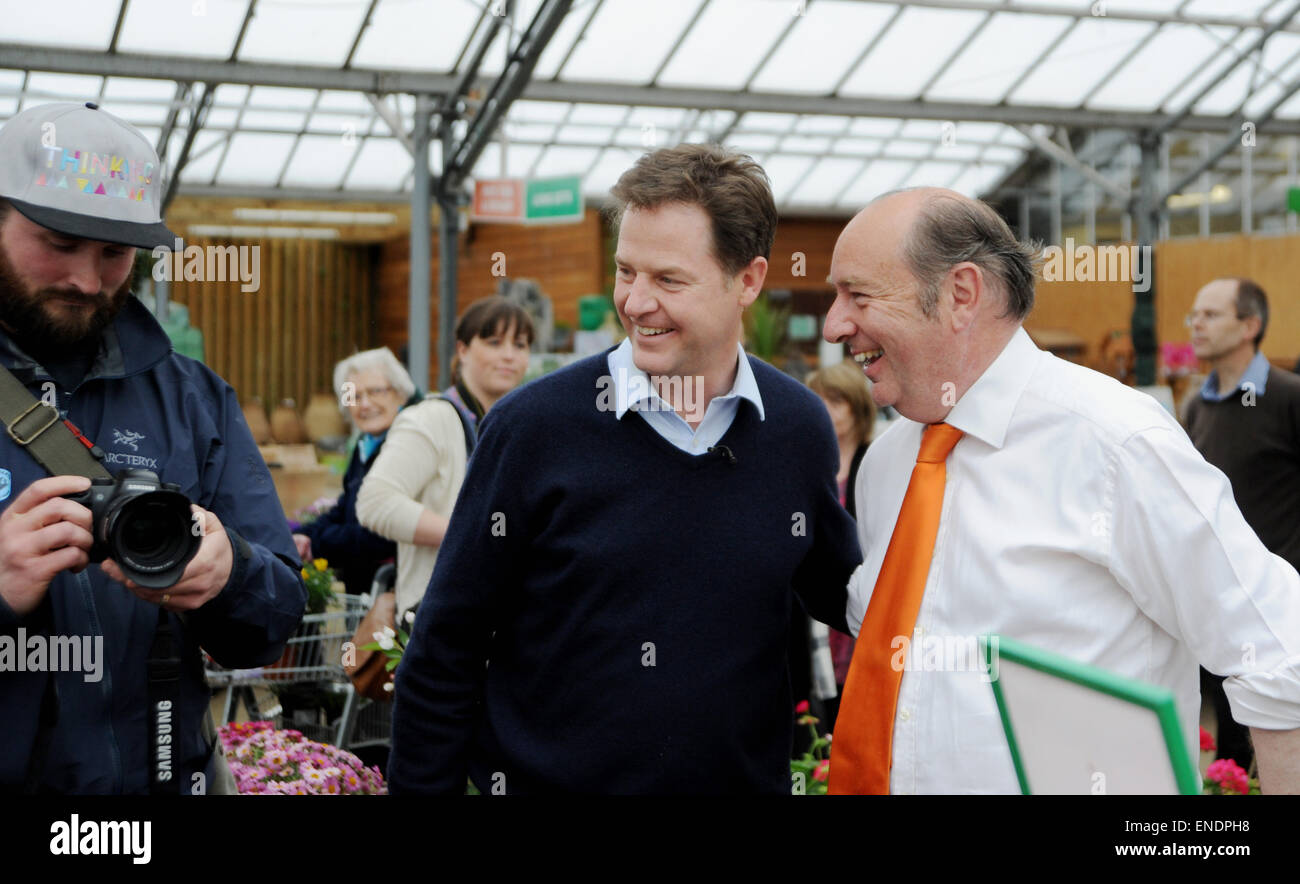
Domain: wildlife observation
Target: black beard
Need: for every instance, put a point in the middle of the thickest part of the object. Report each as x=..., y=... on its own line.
x=37, y=330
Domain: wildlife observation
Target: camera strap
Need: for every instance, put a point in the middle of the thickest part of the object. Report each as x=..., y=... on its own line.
x=63, y=450
x=164, y=692
x=54, y=442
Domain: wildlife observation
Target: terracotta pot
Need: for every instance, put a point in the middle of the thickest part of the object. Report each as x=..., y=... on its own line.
x=255, y=417
x=322, y=418
x=286, y=424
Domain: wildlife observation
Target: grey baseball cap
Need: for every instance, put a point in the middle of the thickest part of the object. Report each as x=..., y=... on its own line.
x=83, y=172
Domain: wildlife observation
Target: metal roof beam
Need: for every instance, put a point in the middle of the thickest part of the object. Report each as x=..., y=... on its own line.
x=78, y=61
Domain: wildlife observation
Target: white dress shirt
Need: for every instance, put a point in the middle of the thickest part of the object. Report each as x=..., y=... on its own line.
x=1077, y=517
x=632, y=391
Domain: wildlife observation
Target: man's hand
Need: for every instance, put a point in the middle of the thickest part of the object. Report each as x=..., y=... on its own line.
x=205, y=576
x=303, y=542
x=42, y=534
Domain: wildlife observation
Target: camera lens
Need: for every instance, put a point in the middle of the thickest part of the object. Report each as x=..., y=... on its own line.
x=150, y=536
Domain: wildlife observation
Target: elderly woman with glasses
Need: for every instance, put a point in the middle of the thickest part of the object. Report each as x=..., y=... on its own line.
x=372, y=386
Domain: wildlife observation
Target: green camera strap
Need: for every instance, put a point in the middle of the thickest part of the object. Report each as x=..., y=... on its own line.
x=37, y=427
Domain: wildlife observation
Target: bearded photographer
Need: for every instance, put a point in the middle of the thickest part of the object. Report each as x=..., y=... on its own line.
x=80, y=190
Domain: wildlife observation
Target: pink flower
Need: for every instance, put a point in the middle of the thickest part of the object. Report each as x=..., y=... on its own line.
x=1229, y=775
x=802, y=708
x=822, y=771
x=1207, y=741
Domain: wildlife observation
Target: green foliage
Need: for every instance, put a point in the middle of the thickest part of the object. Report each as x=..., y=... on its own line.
x=765, y=327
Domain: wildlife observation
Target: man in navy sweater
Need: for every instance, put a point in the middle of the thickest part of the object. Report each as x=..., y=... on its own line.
x=612, y=601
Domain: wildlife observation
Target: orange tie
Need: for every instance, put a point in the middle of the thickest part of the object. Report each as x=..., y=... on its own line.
x=864, y=730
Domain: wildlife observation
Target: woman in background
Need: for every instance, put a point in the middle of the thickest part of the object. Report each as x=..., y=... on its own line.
x=371, y=386
x=847, y=398
x=408, y=495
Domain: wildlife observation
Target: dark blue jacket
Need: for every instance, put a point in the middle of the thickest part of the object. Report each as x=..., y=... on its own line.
x=149, y=408
x=611, y=614
x=341, y=540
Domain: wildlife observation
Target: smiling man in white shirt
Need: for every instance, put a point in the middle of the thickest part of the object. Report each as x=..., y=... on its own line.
x=1076, y=515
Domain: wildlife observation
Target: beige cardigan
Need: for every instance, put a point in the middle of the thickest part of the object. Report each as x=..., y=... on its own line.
x=421, y=465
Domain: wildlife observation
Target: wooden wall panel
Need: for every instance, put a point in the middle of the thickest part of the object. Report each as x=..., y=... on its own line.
x=283, y=340
x=566, y=259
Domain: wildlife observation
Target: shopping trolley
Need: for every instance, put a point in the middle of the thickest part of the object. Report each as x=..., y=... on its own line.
x=367, y=723
x=313, y=656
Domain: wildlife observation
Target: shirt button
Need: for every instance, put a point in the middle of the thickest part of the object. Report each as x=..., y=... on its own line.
x=905, y=714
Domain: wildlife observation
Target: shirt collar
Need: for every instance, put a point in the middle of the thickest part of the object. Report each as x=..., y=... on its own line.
x=1256, y=374
x=985, y=410
x=632, y=385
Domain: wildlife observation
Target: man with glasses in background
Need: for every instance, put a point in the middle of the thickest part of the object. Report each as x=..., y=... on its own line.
x=1246, y=421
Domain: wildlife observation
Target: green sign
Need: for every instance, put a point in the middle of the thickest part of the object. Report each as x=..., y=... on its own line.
x=553, y=199
x=1293, y=199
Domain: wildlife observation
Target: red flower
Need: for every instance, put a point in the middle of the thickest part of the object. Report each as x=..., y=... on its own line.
x=1207, y=741
x=801, y=708
x=822, y=771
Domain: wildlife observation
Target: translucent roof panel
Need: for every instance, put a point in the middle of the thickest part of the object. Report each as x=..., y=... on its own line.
x=534, y=111
x=1280, y=66
x=80, y=24
x=319, y=161
x=43, y=88
x=182, y=27
x=785, y=173
x=603, y=113
x=428, y=36
x=584, y=135
x=805, y=144
x=254, y=158
x=1244, y=8
x=996, y=58
x=330, y=29
x=562, y=42
x=1171, y=56
x=612, y=163
x=565, y=161
x=826, y=182
x=934, y=173
x=1257, y=86
x=1089, y=52
x=204, y=158
x=879, y=177
x=727, y=43
x=896, y=68
x=832, y=32
x=381, y=165
x=640, y=34
x=519, y=159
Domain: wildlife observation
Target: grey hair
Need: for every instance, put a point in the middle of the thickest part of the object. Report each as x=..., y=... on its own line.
x=380, y=359
x=949, y=230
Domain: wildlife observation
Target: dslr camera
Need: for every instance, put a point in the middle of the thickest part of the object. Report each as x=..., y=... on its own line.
x=144, y=525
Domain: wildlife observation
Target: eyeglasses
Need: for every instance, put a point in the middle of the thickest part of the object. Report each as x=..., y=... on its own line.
x=373, y=394
x=1208, y=315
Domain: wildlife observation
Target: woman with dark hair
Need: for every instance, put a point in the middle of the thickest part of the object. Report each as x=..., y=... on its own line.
x=408, y=494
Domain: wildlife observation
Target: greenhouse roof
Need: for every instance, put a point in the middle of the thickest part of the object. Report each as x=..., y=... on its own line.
x=838, y=99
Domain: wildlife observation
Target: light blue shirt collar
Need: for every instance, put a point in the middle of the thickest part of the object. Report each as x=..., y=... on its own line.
x=1256, y=374
x=632, y=385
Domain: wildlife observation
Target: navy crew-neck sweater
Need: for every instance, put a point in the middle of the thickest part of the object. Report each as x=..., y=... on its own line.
x=610, y=614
